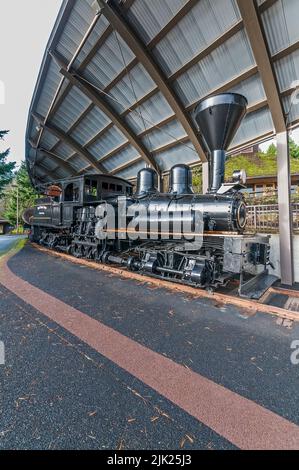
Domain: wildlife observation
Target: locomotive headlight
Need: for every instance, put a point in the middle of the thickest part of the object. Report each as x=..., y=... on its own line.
x=239, y=176
x=241, y=215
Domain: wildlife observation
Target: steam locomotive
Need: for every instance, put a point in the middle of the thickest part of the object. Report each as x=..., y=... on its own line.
x=73, y=217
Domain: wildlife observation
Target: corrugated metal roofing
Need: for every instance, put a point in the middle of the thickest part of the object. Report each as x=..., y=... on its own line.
x=198, y=47
x=222, y=65
x=131, y=88
x=164, y=135
x=196, y=31
x=94, y=122
x=110, y=140
x=64, y=151
x=109, y=60
x=131, y=172
x=127, y=155
x=180, y=153
x=48, y=140
x=151, y=16
x=281, y=24
x=74, y=104
x=150, y=113
x=78, y=23
x=287, y=70
x=258, y=123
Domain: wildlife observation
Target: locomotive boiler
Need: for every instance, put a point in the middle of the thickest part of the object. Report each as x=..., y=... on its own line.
x=179, y=236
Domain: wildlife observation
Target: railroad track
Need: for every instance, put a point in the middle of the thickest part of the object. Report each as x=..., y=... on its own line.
x=248, y=305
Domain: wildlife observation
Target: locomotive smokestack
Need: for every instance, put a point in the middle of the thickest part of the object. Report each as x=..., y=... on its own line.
x=218, y=118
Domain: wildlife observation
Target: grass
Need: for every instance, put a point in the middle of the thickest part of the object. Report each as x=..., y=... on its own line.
x=21, y=231
x=259, y=165
x=15, y=247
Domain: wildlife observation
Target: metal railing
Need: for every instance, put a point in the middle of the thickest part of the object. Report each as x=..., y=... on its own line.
x=295, y=212
x=265, y=217
x=256, y=197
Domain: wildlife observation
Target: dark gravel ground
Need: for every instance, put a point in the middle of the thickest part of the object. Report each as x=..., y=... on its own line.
x=57, y=393
x=75, y=398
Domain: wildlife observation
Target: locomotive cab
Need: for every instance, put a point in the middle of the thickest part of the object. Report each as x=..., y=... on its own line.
x=61, y=199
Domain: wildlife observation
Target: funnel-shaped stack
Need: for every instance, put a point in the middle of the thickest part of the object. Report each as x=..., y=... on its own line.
x=218, y=118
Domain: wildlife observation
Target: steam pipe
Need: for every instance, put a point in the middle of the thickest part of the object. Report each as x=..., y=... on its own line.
x=218, y=169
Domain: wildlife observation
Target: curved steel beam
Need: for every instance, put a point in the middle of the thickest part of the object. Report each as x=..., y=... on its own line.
x=59, y=160
x=259, y=48
x=53, y=156
x=126, y=165
x=47, y=172
x=71, y=142
x=208, y=50
x=96, y=98
x=56, y=97
x=39, y=163
x=119, y=24
x=256, y=35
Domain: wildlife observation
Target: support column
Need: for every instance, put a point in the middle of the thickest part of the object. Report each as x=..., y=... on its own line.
x=160, y=183
x=205, y=177
x=284, y=207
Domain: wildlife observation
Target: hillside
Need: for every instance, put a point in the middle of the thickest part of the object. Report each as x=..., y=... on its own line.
x=258, y=165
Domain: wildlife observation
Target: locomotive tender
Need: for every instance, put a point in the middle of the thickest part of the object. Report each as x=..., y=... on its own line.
x=72, y=218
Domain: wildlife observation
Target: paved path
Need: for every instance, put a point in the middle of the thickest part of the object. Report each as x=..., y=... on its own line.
x=95, y=361
x=7, y=242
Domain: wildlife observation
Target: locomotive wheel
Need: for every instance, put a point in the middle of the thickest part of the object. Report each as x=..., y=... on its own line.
x=70, y=250
x=76, y=251
x=210, y=290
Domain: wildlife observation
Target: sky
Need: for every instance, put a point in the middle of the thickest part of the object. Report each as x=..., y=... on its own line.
x=25, y=27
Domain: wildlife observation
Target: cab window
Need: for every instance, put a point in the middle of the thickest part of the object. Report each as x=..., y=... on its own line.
x=91, y=189
x=71, y=193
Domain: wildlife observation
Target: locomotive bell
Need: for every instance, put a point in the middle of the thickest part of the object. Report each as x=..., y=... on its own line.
x=218, y=118
x=180, y=180
x=239, y=176
x=146, y=182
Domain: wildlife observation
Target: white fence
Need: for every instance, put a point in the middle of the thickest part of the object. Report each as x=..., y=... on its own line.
x=265, y=218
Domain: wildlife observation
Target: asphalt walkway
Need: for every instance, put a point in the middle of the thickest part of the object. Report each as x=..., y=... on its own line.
x=97, y=361
x=8, y=241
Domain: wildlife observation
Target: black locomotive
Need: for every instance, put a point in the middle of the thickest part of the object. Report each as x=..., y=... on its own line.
x=73, y=217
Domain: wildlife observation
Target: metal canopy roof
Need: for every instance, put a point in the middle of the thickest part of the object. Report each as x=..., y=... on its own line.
x=120, y=78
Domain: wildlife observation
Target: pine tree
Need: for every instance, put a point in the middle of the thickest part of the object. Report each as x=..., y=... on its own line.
x=271, y=150
x=6, y=168
x=294, y=149
x=20, y=194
